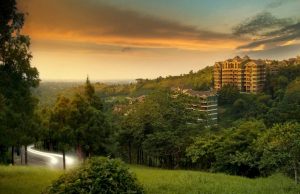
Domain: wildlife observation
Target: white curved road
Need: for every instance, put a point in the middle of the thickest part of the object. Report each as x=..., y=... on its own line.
x=53, y=160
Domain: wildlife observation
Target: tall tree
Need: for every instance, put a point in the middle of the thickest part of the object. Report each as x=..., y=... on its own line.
x=159, y=129
x=3, y=130
x=59, y=122
x=281, y=148
x=89, y=122
x=90, y=95
x=90, y=127
x=17, y=75
x=89, y=90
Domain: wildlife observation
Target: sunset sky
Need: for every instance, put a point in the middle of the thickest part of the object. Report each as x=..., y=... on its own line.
x=128, y=39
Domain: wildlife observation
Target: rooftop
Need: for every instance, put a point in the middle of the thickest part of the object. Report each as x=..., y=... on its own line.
x=202, y=94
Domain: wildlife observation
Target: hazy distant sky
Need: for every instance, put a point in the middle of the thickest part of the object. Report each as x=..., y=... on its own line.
x=128, y=39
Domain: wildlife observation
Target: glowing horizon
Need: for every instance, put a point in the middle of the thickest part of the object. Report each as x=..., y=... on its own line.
x=142, y=39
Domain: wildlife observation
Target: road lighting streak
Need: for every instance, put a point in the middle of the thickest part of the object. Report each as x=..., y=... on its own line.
x=53, y=157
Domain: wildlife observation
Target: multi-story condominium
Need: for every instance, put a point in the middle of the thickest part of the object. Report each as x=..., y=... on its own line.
x=247, y=74
x=205, y=102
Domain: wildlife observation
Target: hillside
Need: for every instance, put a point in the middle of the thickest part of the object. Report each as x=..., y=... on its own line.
x=48, y=91
x=200, y=80
x=155, y=181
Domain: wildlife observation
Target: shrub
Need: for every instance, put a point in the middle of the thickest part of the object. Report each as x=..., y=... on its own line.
x=97, y=175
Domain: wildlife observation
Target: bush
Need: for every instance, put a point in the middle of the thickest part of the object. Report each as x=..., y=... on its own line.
x=97, y=175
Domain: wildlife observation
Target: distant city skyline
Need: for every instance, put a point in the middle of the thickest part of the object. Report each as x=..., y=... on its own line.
x=129, y=39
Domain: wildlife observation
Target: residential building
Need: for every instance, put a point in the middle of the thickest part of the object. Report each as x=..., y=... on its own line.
x=206, y=102
x=246, y=74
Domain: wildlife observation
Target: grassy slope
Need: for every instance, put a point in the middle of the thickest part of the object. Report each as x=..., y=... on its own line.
x=180, y=181
x=25, y=180
x=29, y=180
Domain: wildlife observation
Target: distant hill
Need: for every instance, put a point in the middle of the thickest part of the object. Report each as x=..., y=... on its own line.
x=200, y=80
x=47, y=92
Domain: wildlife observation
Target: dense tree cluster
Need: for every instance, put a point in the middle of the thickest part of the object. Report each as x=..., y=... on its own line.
x=78, y=123
x=17, y=105
x=258, y=133
x=157, y=131
x=232, y=151
x=277, y=104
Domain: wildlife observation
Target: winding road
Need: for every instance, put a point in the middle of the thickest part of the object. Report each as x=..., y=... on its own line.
x=48, y=159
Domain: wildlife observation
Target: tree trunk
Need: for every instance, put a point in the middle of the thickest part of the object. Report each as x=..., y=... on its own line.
x=79, y=152
x=296, y=172
x=21, y=151
x=129, y=152
x=90, y=152
x=138, y=156
x=26, y=155
x=64, y=159
x=50, y=146
x=142, y=155
x=12, y=155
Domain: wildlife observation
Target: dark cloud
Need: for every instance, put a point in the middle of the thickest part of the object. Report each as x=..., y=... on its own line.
x=94, y=19
x=286, y=33
x=267, y=30
x=278, y=53
x=277, y=37
x=259, y=24
x=277, y=3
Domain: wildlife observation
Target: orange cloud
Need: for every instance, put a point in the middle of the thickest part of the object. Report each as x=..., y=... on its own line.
x=94, y=22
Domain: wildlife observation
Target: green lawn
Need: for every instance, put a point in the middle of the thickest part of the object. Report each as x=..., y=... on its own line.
x=25, y=180
x=30, y=180
x=158, y=181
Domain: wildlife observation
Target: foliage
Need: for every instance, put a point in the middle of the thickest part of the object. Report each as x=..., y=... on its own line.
x=281, y=147
x=228, y=94
x=200, y=80
x=90, y=127
x=287, y=105
x=47, y=92
x=281, y=79
x=59, y=123
x=17, y=76
x=89, y=122
x=232, y=151
x=158, y=130
x=78, y=123
x=97, y=175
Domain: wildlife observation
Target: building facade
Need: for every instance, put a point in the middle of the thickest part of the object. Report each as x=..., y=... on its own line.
x=246, y=74
x=205, y=102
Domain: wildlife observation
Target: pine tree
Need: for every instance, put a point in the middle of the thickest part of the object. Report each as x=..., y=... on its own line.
x=89, y=90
